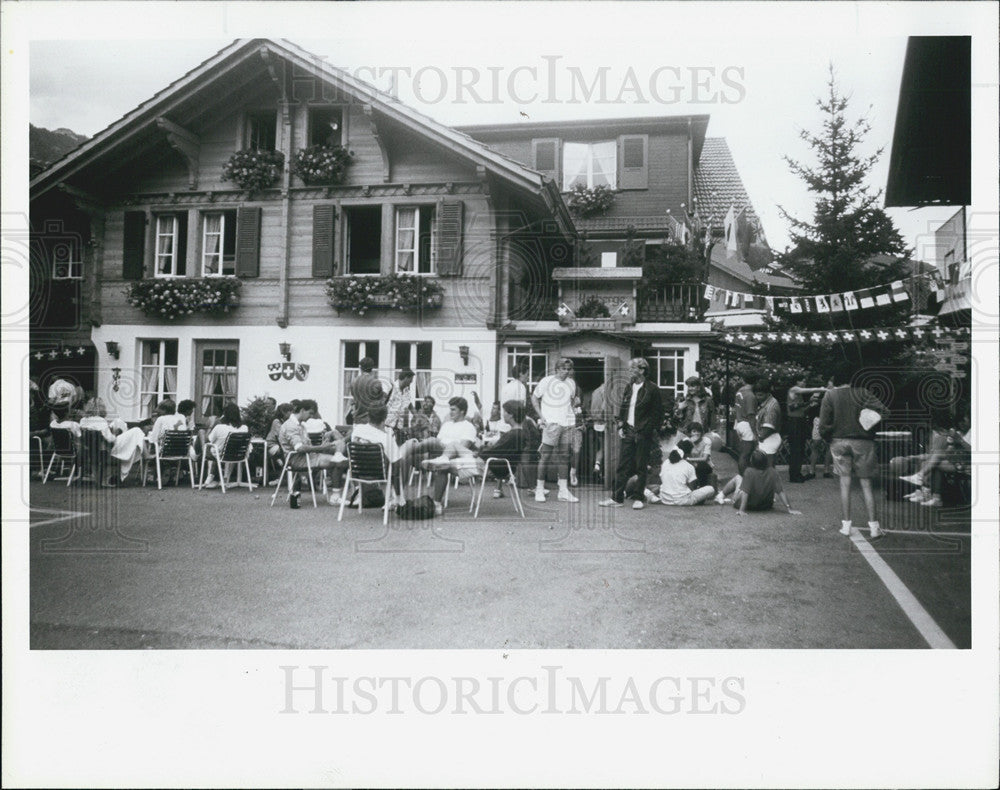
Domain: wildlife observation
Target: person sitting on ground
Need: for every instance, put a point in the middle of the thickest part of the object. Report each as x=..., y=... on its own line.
x=512, y=443
x=375, y=431
x=758, y=487
x=124, y=446
x=231, y=421
x=294, y=441
x=679, y=481
x=425, y=423
x=701, y=455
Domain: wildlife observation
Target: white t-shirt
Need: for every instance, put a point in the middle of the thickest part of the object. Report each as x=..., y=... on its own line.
x=514, y=390
x=167, y=422
x=674, y=479
x=366, y=432
x=632, y=402
x=218, y=434
x=455, y=432
x=556, y=398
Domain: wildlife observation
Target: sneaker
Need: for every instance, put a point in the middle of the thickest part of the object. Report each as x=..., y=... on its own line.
x=846, y=530
x=566, y=496
x=875, y=531
x=334, y=499
x=637, y=505
x=540, y=495
x=917, y=479
x=572, y=478
x=720, y=499
x=497, y=493
x=649, y=495
x=934, y=501
x=438, y=509
x=609, y=502
x=211, y=483
x=915, y=496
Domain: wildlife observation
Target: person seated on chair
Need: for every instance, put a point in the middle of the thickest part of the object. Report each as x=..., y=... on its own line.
x=280, y=415
x=919, y=470
x=511, y=445
x=425, y=423
x=456, y=437
x=126, y=447
x=294, y=438
x=231, y=421
x=375, y=431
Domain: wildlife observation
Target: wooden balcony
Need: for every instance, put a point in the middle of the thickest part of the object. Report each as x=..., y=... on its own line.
x=677, y=302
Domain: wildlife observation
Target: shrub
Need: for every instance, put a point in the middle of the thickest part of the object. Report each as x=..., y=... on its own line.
x=258, y=414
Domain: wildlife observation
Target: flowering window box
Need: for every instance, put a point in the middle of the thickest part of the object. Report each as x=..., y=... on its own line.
x=170, y=298
x=392, y=292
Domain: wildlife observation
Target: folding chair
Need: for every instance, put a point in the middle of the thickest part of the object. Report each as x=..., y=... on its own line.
x=173, y=446
x=367, y=465
x=511, y=483
x=64, y=448
x=285, y=470
x=235, y=450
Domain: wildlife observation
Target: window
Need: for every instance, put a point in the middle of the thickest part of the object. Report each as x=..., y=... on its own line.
x=590, y=164
x=364, y=240
x=609, y=260
x=67, y=262
x=261, y=130
x=216, y=376
x=354, y=352
x=218, y=244
x=537, y=362
x=157, y=373
x=668, y=370
x=417, y=357
x=171, y=236
x=326, y=126
x=415, y=240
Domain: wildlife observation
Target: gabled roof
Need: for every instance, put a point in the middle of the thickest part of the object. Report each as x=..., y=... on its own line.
x=717, y=184
x=240, y=51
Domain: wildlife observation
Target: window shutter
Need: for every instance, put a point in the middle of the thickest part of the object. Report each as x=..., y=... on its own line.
x=449, y=238
x=134, y=249
x=545, y=157
x=633, y=153
x=322, y=262
x=180, y=263
x=248, y=242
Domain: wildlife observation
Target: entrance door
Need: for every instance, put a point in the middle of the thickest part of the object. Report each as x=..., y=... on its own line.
x=216, y=376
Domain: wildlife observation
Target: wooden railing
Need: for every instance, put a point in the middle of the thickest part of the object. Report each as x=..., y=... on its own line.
x=676, y=302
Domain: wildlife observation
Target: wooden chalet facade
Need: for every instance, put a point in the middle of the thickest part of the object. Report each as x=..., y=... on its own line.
x=144, y=203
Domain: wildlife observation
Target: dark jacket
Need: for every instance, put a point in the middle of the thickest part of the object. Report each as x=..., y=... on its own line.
x=648, y=407
x=839, y=412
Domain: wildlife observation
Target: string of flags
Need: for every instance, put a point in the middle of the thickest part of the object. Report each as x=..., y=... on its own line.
x=55, y=353
x=876, y=335
x=845, y=301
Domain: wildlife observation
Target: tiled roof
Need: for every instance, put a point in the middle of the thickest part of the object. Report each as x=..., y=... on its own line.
x=717, y=184
x=732, y=264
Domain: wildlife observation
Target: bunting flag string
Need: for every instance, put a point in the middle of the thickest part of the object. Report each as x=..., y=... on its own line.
x=909, y=289
x=937, y=334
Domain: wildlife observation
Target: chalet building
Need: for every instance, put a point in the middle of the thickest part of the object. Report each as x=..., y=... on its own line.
x=178, y=283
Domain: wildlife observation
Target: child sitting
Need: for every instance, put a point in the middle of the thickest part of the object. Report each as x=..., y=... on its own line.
x=701, y=455
x=758, y=487
x=679, y=481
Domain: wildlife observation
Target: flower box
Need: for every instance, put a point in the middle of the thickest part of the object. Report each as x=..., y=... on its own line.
x=321, y=164
x=170, y=298
x=254, y=170
x=392, y=292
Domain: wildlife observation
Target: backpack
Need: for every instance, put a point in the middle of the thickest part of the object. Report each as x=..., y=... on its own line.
x=372, y=497
x=418, y=509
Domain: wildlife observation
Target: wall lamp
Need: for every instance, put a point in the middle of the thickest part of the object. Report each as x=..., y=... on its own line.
x=113, y=350
x=286, y=351
x=463, y=352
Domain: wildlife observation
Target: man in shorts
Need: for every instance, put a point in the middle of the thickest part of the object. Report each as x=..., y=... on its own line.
x=852, y=445
x=553, y=401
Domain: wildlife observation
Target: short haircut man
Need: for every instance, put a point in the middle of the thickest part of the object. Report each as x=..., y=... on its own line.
x=186, y=407
x=460, y=403
x=367, y=365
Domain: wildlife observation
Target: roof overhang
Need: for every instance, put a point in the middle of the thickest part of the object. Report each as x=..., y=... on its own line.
x=931, y=161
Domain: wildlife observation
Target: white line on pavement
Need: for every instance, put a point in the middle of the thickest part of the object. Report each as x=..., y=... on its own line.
x=64, y=515
x=911, y=607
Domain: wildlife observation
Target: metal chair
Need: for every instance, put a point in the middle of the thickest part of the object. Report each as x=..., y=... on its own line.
x=285, y=470
x=511, y=483
x=94, y=455
x=367, y=465
x=173, y=446
x=64, y=448
x=235, y=450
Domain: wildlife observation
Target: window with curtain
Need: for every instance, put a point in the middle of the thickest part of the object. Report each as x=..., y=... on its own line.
x=157, y=373
x=415, y=240
x=417, y=357
x=217, y=378
x=590, y=164
x=218, y=245
x=166, y=245
x=668, y=370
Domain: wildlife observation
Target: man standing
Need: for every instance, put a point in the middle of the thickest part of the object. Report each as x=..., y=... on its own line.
x=847, y=421
x=640, y=417
x=366, y=391
x=768, y=425
x=553, y=400
x=797, y=428
x=399, y=399
x=743, y=421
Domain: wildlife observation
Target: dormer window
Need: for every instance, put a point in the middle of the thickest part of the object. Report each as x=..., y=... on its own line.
x=590, y=164
x=261, y=130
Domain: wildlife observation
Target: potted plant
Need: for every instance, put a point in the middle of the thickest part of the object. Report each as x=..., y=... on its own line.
x=586, y=201
x=258, y=415
x=253, y=170
x=321, y=164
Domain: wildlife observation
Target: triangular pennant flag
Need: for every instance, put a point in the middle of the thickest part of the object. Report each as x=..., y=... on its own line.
x=822, y=306
x=836, y=303
x=850, y=301
x=865, y=299
x=899, y=292
x=709, y=291
x=883, y=298
x=796, y=307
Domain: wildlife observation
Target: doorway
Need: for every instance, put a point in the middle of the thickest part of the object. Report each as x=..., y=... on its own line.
x=588, y=372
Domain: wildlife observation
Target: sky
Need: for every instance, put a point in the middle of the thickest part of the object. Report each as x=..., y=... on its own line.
x=756, y=71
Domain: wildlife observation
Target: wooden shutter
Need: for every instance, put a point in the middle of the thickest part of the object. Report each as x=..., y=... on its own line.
x=134, y=248
x=180, y=260
x=248, y=242
x=545, y=157
x=449, y=238
x=323, y=219
x=633, y=160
